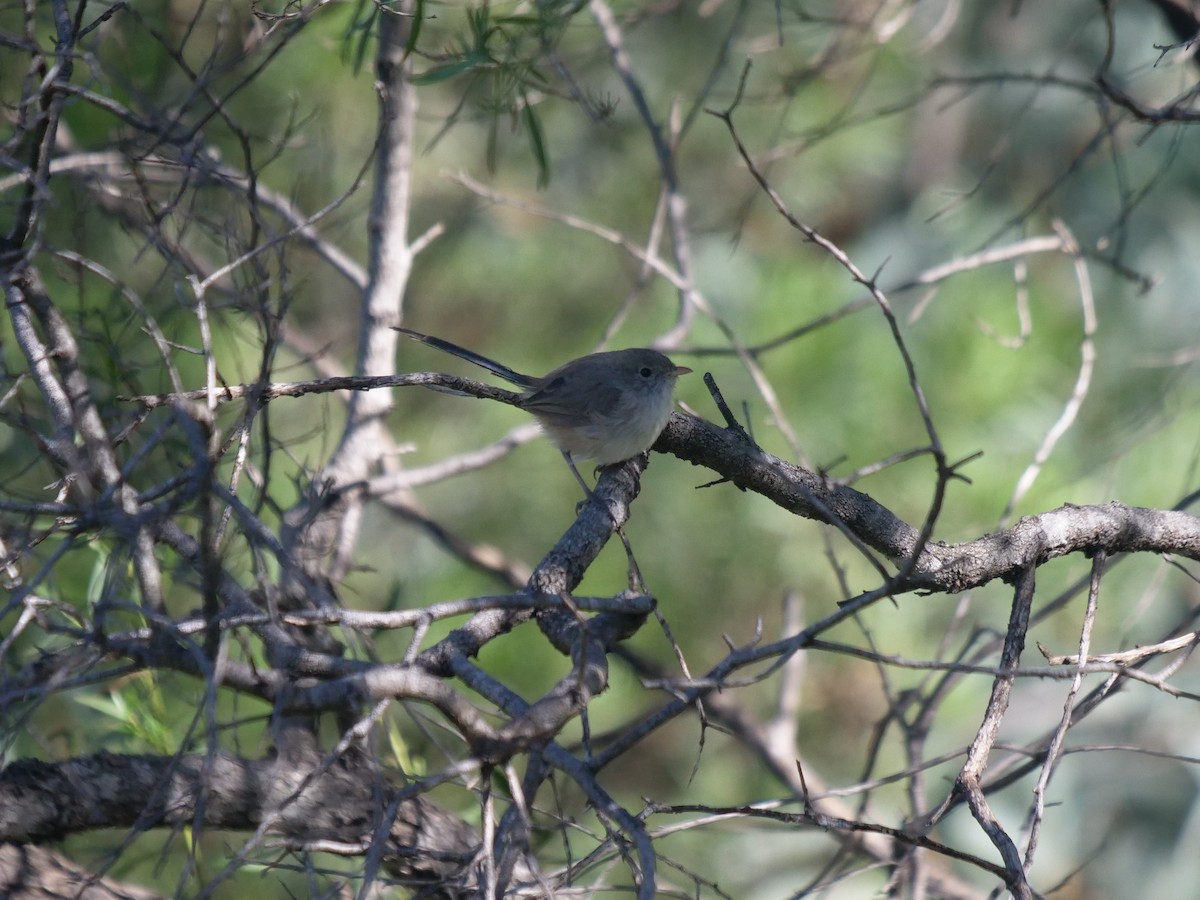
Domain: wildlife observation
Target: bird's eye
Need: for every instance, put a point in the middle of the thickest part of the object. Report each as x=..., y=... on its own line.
x=645, y=371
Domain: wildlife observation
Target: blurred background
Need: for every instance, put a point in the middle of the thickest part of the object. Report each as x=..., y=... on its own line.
x=950, y=150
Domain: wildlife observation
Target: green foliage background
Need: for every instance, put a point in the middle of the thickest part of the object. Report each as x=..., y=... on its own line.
x=907, y=152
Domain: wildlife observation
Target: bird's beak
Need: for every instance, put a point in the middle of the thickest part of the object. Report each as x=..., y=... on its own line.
x=680, y=370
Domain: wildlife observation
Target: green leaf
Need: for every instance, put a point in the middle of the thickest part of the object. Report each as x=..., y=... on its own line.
x=359, y=31
x=414, y=32
x=449, y=70
x=537, y=141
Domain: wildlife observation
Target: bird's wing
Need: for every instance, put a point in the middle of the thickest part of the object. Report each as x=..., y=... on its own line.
x=556, y=405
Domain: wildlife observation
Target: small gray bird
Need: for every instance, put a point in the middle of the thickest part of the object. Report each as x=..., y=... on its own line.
x=606, y=406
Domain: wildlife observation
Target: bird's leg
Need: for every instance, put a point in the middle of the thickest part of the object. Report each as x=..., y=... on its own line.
x=574, y=471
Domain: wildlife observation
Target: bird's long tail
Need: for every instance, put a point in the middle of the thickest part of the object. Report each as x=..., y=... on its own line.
x=525, y=381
